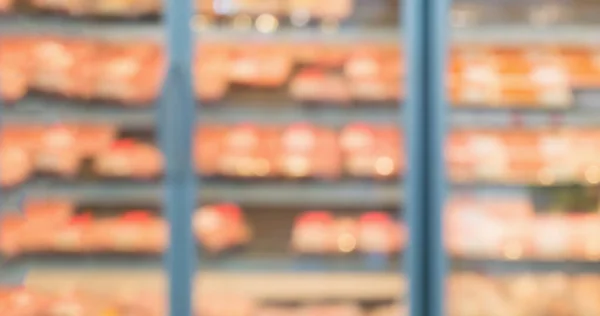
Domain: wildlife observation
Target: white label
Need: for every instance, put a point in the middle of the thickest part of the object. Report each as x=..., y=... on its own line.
x=549, y=76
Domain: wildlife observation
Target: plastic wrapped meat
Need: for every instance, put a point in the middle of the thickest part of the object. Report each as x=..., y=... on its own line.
x=94, y=139
x=130, y=73
x=314, y=233
x=127, y=8
x=211, y=71
x=247, y=151
x=378, y=233
x=317, y=85
x=307, y=151
x=267, y=67
x=14, y=68
x=58, y=151
x=372, y=151
x=135, y=231
x=64, y=67
x=219, y=227
x=73, y=7
x=336, y=10
x=551, y=237
x=26, y=137
x=128, y=158
x=49, y=212
x=11, y=226
x=207, y=148
x=375, y=90
x=15, y=164
x=70, y=237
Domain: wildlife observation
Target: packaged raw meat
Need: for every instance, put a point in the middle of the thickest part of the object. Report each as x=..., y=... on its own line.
x=370, y=151
x=59, y=152
x=314, y=232
x=64, y=66
x=375, y=90
x=128, y=8
x=331, y=10
x=318, y=85
x=211, y=71
x=207, y=148
x=263, y=66
x=15, y=71
x=222, y=226
x=93, y=139
x=48, y=211
x=248, y=151
x=347, y=234
x=130, y=73
x=378, y=233
x=15, y=165
x=129, y=158
x=551, y=237
x=585, y=233
x=308, y=151
x=28, y=137
x=70, y=236
x=73, y=7
x=135, y=231
x=11, y=226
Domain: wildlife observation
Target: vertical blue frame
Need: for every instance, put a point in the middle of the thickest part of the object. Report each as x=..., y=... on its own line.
x=425, y=25
x=176, y=122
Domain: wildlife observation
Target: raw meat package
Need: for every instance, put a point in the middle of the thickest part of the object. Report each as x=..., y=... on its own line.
x=207, y=148
x=135, y=231
x=11, y=226
x=319, y=85
x=73, y=7
x=346, y=231
x=551, y=237
x=370, y=151
x=379, y=233
x=314, y=233
x=383, y=63
x=72, y=235
x=481, y=155
x=261, y=66
x=129, y=158
x=64, y=66
x=130, y=73
x=220, y=227
x=308, y=151
x=48, y=211
x=585, y=237
x=16, y=165
x=59, y=151
x=488, y=228
x=128, y=8
x=94, y=139
x=211, y=72
x=330, y=10
x=248, y=151
x=15, y=70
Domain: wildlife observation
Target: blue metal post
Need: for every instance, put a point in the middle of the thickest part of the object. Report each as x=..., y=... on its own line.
x=176, y=117
x=425, y=45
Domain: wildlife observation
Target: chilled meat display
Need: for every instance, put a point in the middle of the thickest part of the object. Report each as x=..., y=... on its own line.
x=55, y=226
x=319, y=232
x=129, y=158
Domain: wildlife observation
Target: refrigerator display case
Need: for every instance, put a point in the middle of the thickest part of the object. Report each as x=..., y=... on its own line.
x=296, y=150
x=522, y=210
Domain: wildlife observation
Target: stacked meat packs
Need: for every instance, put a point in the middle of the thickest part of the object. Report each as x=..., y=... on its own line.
x=53, y=226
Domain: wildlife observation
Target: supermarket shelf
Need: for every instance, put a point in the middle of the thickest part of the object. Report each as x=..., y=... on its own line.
x=35, y=109
x=345, y=193
x=141, y=29
x=492, y=266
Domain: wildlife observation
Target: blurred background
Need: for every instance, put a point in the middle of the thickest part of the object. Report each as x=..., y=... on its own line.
x=299, y=149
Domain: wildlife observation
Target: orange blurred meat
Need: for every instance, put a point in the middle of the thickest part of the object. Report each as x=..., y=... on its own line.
x=73, y=7
x=70, y=236
x=59, y=151
x=129, y=158
x=23, y=302
x=314, y=232
x=248, y=151
x=375, y=90
x=584, y=242
x=207, y=148
x=26, y=137
x=130, y=73
x=335, y=9
x=135, y=231
x=219, y=227
x=15, y=164
x=378, y=233
x=371, y=151
x=263, y=66
x=11, y=228
x=211, y=73
x=93, y=139
x=64, y=66
x=318, y=85
x=346, y=234
x=49, y=211
x=307, y=150
x=128, y=8
x=15, y=70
